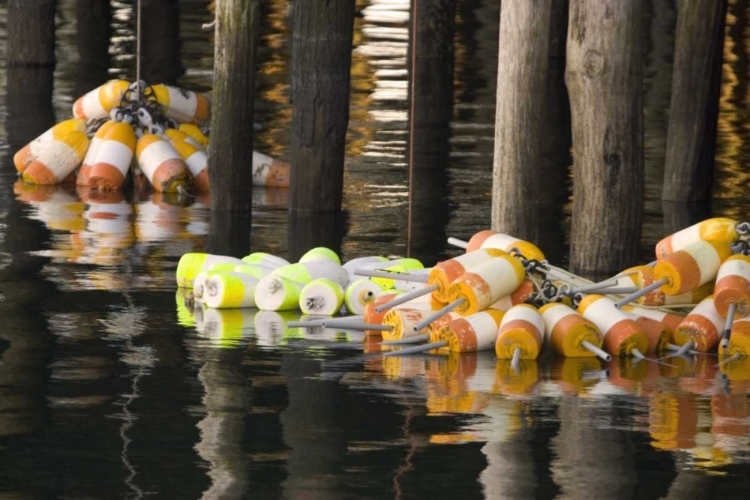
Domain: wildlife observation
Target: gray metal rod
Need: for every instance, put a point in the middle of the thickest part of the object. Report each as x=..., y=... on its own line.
x=438, y=314
x=414, y=339
x=356, y=325
x=402, y=299
x=458, y=243
x=599, y=352
x=376, y=273
x=617, y=290
x=417, y=348
x=595, y=286
x=640, y=293
x=516, y=358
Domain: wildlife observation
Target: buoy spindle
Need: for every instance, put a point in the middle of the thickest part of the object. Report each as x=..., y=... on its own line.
x=599, y=352
x=438, y=314
x=417, y=348
x=402, y=299
x=458, y=243
x=728, y=325
x=516, y=359
x=407, y=340
x=374, y=273
x=595, y=286
x=640, y=293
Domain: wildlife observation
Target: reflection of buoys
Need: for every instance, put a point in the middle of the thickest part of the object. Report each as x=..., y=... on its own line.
x=113, y=158
x=475, y=332
x=672, y=421
x=492, y=239
x=621, y=334
x=360, y=293
x=718, y=229
x=161, y=164
x=319, y=253
x=196, y=161
x=515, y=380
x=702, y=326
x=32, y=150
x=191, y=263
x=521, y=329
x=486, y=283
x=227, y=290
x=574, y=375
x=567, y=330
x=226, y=328
x=182, y=105
x=269, y=171
x=59, y=159
x=443, y=274
x=99, y=102
x=321, y=296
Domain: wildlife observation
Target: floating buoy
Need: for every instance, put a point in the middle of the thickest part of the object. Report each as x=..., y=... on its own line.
x=360, y=293
x=524, y=292
x=196, y=161
x=58, y=160
x=88, y=161
x=199, y=283
x=492, y=239
x=113, y=158
x=656, y=332
x=32, y=150
x=670, y=320
x=265, y=259
x=475, y=332
x=443, y=274
x=643, y=276
x=702, y=326
x=720, y=230
x=739, y=341
x=305, y=272
x=182, y=105
x=569, y=333
x=521, y=333
x=402, y=321
x=319, y=253
x=195, y=133
x=622, y=336
x=99, y=102
x=256, y=271
x=161, y=164
x=225, y=290
x=192, y=263
x=269, y=171
x=353, y=265
x=278, y=293
x=321, y=296
x=732, y=291
x=173, y=134
x=486, y=283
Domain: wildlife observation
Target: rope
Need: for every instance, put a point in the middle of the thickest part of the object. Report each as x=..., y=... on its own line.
x=138, y=50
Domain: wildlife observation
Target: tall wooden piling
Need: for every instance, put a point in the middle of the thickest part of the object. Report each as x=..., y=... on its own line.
x=694, y=108
x=604, y=76
x=160, y=52
x=321, y=64
x=315, y=229
x=431, y=57
x=531, y=138
x=231, y=153
x=93, y=18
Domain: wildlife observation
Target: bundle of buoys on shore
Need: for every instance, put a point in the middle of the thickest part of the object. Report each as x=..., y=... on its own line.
x=159, y=129
x=502, y=294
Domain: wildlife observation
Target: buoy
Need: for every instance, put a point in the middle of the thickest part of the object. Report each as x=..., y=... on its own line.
x=739, y=341
x=685, y=269
x=622, y=336
x=226, y=290
x=265, y=259
x=173, y=134
x=113, y=158
x=643, y=276
x=277, y=293
x=195, y=133
x=401, y=267
x=256, y=271
x=58, y=160
x=443, y=321
x=88, y=161
x=360, y=293
x=570, y=334
x=475, y=332
x=199, y=283
x=32, y=150
x=520, y=295
x=305, y=272
x=486, y=283
x=99, y=102
x=373, y=316
x=182, y=105
x=493, y=239
x=161, y=164
x=703, y=326
x=321, y=296
x=521, y=333
x=353, y=265
x=270, y=172
x=656, y=332
x=732, y=291
x=196, y=161
x=669, y=319
x=443, y=274
x=721, y=230
x=318, y=253
x=192, y=263
x=402, y=322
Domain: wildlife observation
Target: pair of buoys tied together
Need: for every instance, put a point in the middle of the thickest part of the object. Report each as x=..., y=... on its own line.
x=159, y=128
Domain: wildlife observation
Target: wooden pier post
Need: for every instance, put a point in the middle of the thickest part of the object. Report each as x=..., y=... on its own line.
x=229, y=233
x=321, y=66
x=604, y=76
x=231, y=151
x=315, y=229
x=160, y=51
x=532, y=138
x=694, y=108
x=431, y=57
x=93, y=18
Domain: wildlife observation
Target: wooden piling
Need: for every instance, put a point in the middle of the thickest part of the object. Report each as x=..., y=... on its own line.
x=230, y=152
x=321, y=63
x=315, y=229
x=229, y=233
x=530, y=108
x=93, y=18
x=431, y=57
x=31, y=33
x=160, y=52
x=694, y=108
x=604, y=77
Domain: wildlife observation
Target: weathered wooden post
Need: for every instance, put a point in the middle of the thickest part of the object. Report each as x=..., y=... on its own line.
x=431, y=97
x=93, y=31
x=530, y=161
x=315, y=229
x=229, y=232
x=321, y=64
x=231, y=151
x=694, y=109
x=604, y=77
x=160, y=52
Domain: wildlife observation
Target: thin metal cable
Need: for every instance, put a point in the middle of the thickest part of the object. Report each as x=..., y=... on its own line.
x=411, y=124
x=138, y=50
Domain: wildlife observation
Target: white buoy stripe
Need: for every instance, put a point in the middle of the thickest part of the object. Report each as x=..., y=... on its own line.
x=197, y=162
x=734, y=267
x=92, y=104
x=524, y=312
x=685, y=237
x=707, y=259
x=154, y=155
x=604, y=314
x=116, y=154
x=60, y=159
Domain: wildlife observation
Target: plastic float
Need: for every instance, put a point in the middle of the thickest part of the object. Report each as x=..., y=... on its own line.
x=732, y=291
x=162, y=127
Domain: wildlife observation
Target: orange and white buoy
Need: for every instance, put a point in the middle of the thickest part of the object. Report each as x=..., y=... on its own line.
x=643, y=276
x=58, y=160
x=569, y=333
x=719, y=229
x=486, y=284
x=472, y=333
x=691, y=266
x=183, y=105
x=161, y=164
x=733, y=286
x=492, y=239
x=32, y=150
x=113, y=158
x=173, y=134
x=739, y=341
x=443, y=274
x=88, y=161
x=521, y=333
x=196, y=161
x=656, y=332
x=670, y=320
x=520, y=295
x=703, y=326
x=99, y=102
x=622, y=336
x=270, y=172
x=195, y=133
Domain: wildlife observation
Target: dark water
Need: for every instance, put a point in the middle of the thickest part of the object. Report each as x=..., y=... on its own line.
x=110, y=387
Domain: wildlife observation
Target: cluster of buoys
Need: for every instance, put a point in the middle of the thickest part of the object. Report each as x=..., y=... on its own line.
x=159, y=129
x=502, y=294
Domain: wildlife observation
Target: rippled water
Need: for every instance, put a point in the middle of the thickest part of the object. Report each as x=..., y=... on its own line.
x=111, y=386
